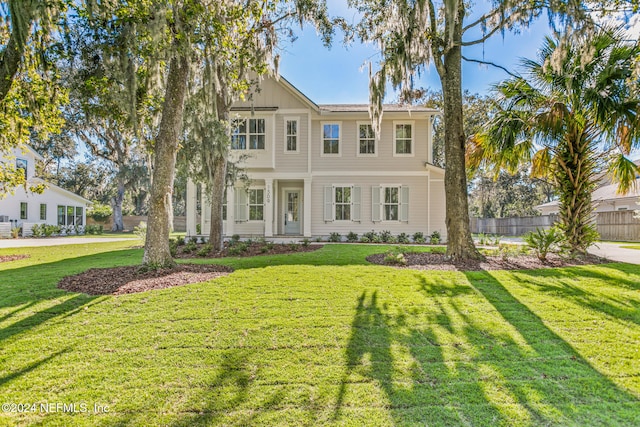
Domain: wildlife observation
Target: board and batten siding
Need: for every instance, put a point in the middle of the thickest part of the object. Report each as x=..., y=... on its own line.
x=272, y=94
x=292, y=161
x=417, y=209
x=385, y=160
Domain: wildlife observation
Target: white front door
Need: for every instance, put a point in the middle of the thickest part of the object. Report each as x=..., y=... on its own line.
x=292, y=212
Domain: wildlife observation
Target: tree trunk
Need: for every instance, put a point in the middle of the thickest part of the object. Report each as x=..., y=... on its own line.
x=156, y=251
x=118, y=223
x=459, y=242
x=217, y=196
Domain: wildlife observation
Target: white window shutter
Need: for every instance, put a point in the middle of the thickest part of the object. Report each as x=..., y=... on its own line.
x=356, y=196
x=240, y=196
x=404, y=204
x=328, y=203
x=375, y=204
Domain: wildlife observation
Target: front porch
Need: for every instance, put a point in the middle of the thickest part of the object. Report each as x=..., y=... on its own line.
x=269, y=208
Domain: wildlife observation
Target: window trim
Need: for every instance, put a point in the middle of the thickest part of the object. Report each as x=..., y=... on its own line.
x=43, y=205
x=335, y=203
x=403, y=208
x=248, y=134
x=25, y=168
x=339, y=153
x=383, y=188
x=375, y=140
x=413, y=138
x=286, y=135
x=26, y=211
x=249, y=204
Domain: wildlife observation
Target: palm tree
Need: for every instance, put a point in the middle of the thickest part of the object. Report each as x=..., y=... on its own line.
x=573, y=115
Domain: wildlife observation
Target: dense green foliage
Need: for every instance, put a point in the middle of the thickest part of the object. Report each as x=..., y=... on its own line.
x=322, y=338
x=574, y=114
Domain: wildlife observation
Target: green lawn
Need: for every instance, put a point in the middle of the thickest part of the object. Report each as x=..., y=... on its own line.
x=631, y=246
x=321, y=338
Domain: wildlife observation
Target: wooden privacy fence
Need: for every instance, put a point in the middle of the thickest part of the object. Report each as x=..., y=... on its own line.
x=130, y=221
x=617, y=226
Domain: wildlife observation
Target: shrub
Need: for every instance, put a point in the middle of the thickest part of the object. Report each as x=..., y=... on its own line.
x=335, y=237
x=264, y=249
x=418, y=237
x=50, y=230
x=506, y=251
x=306, y=242
x=385, y=236
x=365, y=239
x=180, y=240
x=235, y=238
x=37, y=230
x=352, y=237
x=371, y=235
x=140, y=230
x=238, y=248
x=99, y=212
x=395, y=258
x=190, y=247
x=79, y=230
x=293, y=246
x=544, y=241
x=403, y=238
x=173, y=247
x=15, y=232
x=435, y=238
x=205, y=250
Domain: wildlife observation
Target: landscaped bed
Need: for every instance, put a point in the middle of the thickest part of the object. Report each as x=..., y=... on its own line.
x=320, y=338
x=9, y=258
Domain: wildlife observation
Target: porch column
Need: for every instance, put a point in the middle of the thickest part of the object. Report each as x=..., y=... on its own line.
x=191, y=208
x=231, y=211
x=268, y=208
x=307, y=207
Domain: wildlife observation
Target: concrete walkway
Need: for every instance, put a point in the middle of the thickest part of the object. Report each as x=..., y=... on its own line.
x=57, y=241
x=614, y=252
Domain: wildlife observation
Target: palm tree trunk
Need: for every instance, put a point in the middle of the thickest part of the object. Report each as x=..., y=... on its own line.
x=156, y=251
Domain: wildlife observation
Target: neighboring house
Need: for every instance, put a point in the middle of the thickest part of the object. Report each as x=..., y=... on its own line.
x=318, y=169
x=54, y=206
x=604, y=199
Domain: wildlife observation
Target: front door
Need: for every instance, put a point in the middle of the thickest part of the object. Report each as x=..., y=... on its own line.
x=292, y=212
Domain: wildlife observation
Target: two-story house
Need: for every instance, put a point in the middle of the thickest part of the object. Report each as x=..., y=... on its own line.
x=23, y=208
x=317, y=169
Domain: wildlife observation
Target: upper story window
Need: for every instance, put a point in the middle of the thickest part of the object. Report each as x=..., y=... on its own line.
x=248, y=134
x=330, y=139
x=366, y=140
x=403, y=139
x=22, y=164
x=291, y=135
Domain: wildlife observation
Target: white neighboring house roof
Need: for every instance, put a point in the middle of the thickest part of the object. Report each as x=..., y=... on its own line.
x=59, y=190
x=604, y=194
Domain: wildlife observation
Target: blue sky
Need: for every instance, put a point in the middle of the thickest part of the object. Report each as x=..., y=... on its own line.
x=337, y=75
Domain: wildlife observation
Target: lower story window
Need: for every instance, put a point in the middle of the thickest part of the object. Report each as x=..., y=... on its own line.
x=61, y=215
x=23, y=210
x=79, y=215
x=391, y=204
x=70, y=215
x=256, y=204
x=43, y=212
x=343, y=203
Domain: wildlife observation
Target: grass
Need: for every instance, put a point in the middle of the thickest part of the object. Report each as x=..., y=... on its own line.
x=631, y=246
x=322, y=338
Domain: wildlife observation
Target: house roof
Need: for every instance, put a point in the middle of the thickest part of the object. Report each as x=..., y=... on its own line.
x=61, y=190
x=364, y=108
x=605, y=193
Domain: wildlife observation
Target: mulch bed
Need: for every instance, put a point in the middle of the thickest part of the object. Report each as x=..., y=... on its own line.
x=254, y=249
x=128, y=280
x=431, y=261
x=8, y=258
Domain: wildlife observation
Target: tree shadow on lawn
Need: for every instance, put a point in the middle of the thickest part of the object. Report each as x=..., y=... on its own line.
x=34, y=288
x=627, y=309
x=478, y=357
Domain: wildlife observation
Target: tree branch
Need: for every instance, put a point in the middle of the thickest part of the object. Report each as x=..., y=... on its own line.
x=437, y=58
x=478, y=61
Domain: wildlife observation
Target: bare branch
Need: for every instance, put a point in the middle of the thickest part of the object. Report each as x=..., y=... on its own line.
x=493, y=64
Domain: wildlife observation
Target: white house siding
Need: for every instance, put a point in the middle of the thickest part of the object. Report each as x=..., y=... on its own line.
x=272, y=94
x=52, y=198
x=385, y=160
x=418, y=205
x=437, y=211
x=292, y=161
